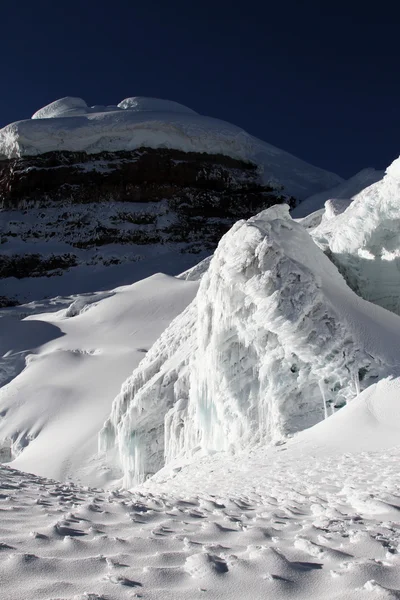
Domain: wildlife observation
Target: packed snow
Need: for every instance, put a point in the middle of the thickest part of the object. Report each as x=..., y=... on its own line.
x=313, y=519
x=364, y=243
x=69, y=124
x=274, y=342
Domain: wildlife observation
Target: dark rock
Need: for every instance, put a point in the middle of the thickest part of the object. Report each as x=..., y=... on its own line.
x=95, y=203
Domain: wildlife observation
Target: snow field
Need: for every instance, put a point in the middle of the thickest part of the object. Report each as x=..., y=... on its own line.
x=299, y=520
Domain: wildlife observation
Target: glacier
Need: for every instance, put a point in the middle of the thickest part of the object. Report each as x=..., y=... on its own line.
x=363, y=240
x=274, y=342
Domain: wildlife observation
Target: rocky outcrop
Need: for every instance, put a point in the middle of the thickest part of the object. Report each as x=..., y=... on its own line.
x=143, y=175
x=64, y=209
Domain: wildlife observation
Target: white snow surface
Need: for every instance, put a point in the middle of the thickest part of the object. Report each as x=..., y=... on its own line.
x=315, y=518
x=344, y=190
x=69, y=124
x=363, y=240
x=65, y=367
x=69, y=106
x=273, y=342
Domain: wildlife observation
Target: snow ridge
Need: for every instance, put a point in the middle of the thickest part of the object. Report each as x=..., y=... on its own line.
x=346, y=189
x=363, y=241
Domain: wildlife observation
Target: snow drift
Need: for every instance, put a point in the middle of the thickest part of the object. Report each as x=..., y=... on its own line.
x=69, y=124
x=272, y=344
x=363, y=240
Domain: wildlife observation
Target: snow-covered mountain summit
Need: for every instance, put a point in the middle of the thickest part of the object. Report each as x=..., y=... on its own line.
x=73, y=107
x=69, y=124
x=101, y=196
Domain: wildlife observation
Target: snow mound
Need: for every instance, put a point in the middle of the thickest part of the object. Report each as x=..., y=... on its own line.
x=154, y=123
x=370, y=422
x=363, y=241
x=63, y=107
x=272, y=344
x=345, y=189
x=72, y=107
x=140, y=104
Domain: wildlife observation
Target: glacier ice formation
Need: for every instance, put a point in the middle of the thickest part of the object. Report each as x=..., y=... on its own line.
x=273, y=342
x=364, y=243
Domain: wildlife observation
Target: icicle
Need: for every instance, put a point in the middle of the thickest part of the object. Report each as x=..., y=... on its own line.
x=321, y=387
x=357, y=383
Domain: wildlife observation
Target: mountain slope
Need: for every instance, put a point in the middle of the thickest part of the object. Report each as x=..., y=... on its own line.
x=65, y=368
x=95, y=197
x=73, y=126
x=73, y=220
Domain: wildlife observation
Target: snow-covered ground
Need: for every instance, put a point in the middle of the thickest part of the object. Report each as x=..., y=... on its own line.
x=69, y=124
x=313, y=519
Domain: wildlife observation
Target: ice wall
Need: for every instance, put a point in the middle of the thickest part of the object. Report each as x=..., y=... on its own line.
x=272, y=344
x=364, y=241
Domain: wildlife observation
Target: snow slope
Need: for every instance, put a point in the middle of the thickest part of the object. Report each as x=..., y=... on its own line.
x=363, y=241
x=69, y=124
x=273, y=342
x=65, y=367
x=345, y=189
x=313, y=519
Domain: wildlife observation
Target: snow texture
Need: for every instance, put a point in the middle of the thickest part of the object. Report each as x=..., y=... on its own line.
x=69, y=124
x=313, y=519
x=272, y=344
x=363, y=240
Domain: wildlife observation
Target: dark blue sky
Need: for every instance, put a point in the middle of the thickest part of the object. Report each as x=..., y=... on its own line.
x=317, y=81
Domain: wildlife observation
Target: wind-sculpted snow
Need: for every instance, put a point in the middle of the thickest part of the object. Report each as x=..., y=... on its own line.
x=363, y=241
x=69, y=124
x=274, y=342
